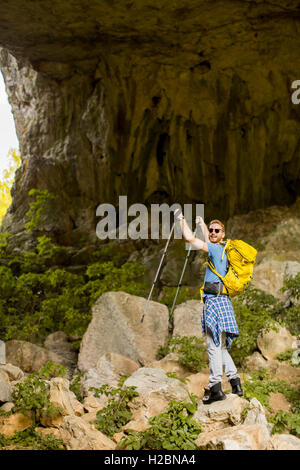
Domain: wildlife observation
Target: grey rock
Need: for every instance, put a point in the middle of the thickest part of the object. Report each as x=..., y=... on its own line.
x=116, y=328
x=5, y=390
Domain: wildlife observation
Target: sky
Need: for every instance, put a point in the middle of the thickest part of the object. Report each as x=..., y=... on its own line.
x=8, y=137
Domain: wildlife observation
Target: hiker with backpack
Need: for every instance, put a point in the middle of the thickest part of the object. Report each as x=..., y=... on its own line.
x=222, y=281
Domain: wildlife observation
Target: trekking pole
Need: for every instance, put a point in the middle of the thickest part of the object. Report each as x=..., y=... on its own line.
x=181, y=277
x=165, y=250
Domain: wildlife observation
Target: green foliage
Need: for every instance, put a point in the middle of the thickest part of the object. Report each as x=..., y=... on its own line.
x=174, y=429
x=286, y=356
x=285, y=422
x=31, y=396
x=168, y=294
x=110, y=252
x=38, y=296
x=104, y=277
x=75, y=385
x=50, y=369
x=41, y=208
x=190, y=349
x=261, y=384
x=6, y=181
x=117, y=412
x=32, y=439
x=254, y=311
x=292, y=284
x=3, y=242
x=290, y=316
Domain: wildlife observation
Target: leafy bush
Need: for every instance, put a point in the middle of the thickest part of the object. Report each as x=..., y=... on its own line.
x=167, y=296
x=284, y=422
x=31, y=438
x=41, y=208
x=38, y=296
x=172, y=430
x=286, y=356
x=190, y=349
x=31, y=396
x=262, y=383
x=292, y=284
x=254, y=311
x=117, y=412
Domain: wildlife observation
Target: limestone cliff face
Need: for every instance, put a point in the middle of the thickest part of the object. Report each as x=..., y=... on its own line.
x=162, y=101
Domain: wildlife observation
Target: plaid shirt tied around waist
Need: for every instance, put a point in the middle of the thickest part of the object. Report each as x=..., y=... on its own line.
x=220, y=317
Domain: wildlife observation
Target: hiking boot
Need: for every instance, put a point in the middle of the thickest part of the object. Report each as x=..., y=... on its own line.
x=213, y=394
x=236, y=386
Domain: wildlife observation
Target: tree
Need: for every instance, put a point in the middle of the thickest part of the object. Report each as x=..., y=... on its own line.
x=6, y=181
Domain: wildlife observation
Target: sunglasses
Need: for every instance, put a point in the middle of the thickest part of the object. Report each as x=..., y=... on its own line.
x=216, y=230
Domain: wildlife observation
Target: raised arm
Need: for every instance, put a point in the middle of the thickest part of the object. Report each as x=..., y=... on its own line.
x=188, y=234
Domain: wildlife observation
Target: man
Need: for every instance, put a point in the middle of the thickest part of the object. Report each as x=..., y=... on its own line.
x=218, y=320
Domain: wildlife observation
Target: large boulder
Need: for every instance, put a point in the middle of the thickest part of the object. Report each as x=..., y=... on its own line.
x=273, y=342
x=14, y=423
x=76, y=434
x=221, y=414
x=109, y=369
x=5, y=389
x=171, y=363
x=58, y=343
x=155, y=391
x=13, y=372
x=241, y=437
x=63, y=399
x=187, y=319
x=116, y=327
x=30, y=357
x=269, y=274
x=284, y=442
x=256, y=414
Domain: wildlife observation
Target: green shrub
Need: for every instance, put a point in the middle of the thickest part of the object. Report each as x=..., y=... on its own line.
x=117, y=412
x=37, y=297
x=174, y=429
x=290, y=316
x=285, y=422
x=254, y=311
x=292, y=284
x=41, y=208
x=31, y=396
x=167, y=296
x=32, y=439
x=190, y=349
x=262, y=383
x=286, y=356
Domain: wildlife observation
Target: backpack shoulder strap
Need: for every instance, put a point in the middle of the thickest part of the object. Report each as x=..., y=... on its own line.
x=212, y=268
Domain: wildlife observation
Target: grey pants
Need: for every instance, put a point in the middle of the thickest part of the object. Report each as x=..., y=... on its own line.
x=219, y=357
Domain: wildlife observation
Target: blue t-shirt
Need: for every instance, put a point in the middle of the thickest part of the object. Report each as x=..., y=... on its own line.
x=215, y=252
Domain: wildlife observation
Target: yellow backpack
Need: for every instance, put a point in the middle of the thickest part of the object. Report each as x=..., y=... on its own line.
x=240, y=262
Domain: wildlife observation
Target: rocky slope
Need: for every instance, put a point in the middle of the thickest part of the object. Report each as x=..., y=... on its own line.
x=233, y=424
